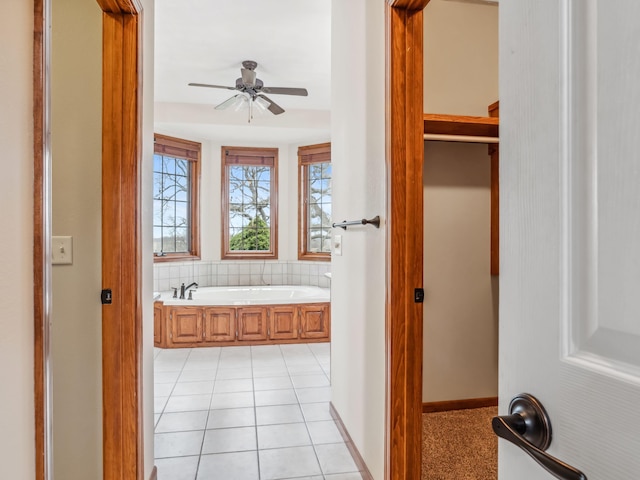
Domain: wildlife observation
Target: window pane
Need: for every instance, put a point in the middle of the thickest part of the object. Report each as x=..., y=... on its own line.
x=318, y=211
x=171, y=209
x=249, y=202
x=182, y=240
x=168, y=165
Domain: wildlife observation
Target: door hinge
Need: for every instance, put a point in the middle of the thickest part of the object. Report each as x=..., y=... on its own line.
x=106, y=297
x=418, y=295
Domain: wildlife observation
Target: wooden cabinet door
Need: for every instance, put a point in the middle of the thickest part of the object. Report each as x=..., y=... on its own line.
x=252, y=323
x=186, y=325
x=219, y=324
x=157, y=325
x=284, y=323
x=315, y=321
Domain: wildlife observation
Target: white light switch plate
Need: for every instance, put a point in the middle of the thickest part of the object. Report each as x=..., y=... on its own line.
x=337, y=245
x=62, y=250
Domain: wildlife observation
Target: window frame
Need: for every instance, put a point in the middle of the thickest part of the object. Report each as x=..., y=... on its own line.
x=257, y=156
x=192, y=152
x=309, y=155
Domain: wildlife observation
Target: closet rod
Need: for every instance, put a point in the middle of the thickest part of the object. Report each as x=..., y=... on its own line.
x=460, y=138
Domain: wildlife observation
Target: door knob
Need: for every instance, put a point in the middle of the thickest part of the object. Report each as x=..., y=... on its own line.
x=528, y=426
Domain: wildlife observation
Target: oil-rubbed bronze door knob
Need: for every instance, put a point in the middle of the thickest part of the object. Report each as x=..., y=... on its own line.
x=528, y=426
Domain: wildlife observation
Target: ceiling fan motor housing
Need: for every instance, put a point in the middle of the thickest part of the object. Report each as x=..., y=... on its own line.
x=249, y=64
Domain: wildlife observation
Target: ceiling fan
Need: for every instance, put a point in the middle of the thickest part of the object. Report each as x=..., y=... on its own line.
x=252, y=91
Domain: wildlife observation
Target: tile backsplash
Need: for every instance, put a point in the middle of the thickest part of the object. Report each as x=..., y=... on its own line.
x=218, y=274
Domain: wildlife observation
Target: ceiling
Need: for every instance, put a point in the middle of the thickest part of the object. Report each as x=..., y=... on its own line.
x=205, y=41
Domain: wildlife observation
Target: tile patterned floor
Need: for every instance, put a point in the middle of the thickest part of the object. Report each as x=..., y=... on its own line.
x=247, y=413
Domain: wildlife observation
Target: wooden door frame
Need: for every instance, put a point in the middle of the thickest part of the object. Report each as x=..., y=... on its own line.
x=121, y=243
x=405, y=158
x=122, y=320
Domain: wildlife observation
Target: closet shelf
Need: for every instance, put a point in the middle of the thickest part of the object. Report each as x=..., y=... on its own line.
x=441, y=124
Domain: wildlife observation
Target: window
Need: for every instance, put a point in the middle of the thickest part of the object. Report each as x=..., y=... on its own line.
x=314, y=217
x=176, y=177
x=249, y=202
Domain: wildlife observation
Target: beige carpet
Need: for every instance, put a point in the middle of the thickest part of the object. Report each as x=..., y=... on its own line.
x=459, y=445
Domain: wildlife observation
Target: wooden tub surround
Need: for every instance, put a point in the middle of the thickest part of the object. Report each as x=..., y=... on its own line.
x=177, y=326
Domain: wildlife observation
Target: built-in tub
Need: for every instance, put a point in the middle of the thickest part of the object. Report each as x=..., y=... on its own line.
x=250, y=295
x=243, y=315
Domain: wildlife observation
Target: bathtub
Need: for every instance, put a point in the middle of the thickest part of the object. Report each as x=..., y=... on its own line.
x=250, y=295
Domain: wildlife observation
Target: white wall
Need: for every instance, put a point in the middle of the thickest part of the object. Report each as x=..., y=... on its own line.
x=76, y=132
x=17, y=455
x=461, y=304
x=461, y=57
x=358, y=276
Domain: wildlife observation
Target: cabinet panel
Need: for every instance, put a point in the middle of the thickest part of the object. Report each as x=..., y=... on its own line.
x=252, y=323
x=315, y=321
x=157, y=325
x=219, y=324
x=186, y=325
x=283, y=323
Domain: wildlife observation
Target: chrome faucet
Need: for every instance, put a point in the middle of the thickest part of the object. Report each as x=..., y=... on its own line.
x=184, y=289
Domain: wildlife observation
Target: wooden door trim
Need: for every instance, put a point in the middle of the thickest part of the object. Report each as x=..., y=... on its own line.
x=405, y=158
x=41, y=236
x=123, y=454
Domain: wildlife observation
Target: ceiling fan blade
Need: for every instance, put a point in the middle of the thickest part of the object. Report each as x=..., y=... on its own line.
x=211, y=86
x=227, y=103
x=302, y=92
x=273, y=106
x=248, y=77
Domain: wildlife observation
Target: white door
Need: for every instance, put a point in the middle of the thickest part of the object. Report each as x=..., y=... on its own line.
x=570, y=229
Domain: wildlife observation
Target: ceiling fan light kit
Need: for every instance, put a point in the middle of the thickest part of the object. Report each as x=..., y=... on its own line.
x=252, y=91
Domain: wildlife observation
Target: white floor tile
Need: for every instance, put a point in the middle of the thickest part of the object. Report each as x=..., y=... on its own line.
x=168, y=366
x=304, y=369
x=231, y=373
x=233, y=385
x=335, y=458
x=188, y=403
x=236, y=466
x=290, y=384
x=193, y=388
x=165, y=377
x=197, y=375
x=159, y=403
x=178, y=444
x=324, y=432
x=182, y=422
x=234, y=417
x=261, y=372
x=275, y=397
x=200, y=364
x=344, y=476
x=280, y=436
x=314, y=394
x=316, y=412
x=162, y=389
x=205, y=353
x=275, y=414
x=226, y=440
x=232, y=400
x=272, y=383
x=288, y=463
x=306, y=381
x=226, y=363
x=177, y=468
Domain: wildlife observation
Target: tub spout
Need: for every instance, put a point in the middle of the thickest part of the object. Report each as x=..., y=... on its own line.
x=183, y=289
